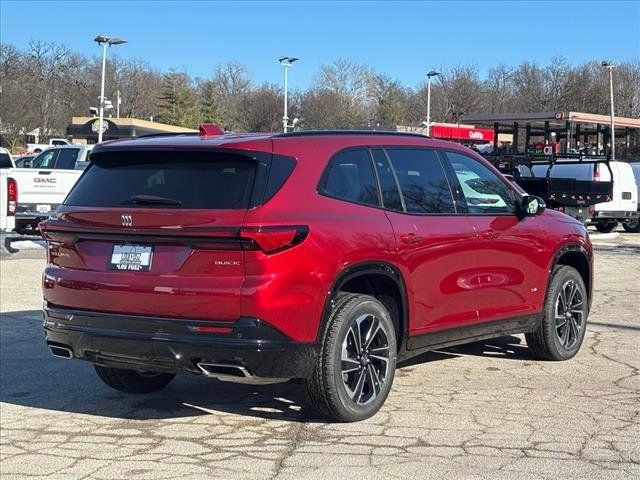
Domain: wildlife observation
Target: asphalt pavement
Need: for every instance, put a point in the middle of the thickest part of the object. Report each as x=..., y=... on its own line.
x=480, y=411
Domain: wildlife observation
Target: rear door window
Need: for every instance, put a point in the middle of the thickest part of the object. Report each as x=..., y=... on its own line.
x=349, y=176
x=67, y=158
x=388, y=184
x=165, y=179
x=424, y=185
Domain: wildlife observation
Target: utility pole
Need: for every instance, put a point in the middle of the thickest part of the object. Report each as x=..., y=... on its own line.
x=104, y=42
x=610, y=66
x=431, y=74
x=286, y=63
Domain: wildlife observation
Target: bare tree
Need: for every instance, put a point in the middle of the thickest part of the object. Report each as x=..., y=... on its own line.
x=499, y=89
x=45, y=84
x=462, y=92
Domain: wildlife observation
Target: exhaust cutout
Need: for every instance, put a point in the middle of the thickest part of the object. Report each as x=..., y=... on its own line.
x=235, y=373
x=223, y=370
x=62, y=352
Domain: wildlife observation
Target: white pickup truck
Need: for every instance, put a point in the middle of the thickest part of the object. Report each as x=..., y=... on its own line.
x=43, y=186
x=40, y=147
x=8, y=192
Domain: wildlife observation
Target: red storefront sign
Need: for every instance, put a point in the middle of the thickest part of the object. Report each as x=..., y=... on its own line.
x=462, y=133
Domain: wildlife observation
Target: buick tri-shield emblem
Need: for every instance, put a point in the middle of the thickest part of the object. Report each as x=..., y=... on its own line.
x=126, y=220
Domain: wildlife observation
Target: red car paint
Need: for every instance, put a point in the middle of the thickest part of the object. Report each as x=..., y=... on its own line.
x=457, y=270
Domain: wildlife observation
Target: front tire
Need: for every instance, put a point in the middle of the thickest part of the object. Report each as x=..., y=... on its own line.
x=132, y=381
x=632, y=226
x=357, y=361
x=561, y=331
x=606, y=226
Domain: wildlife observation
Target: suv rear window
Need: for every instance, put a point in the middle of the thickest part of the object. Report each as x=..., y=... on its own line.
x=165, y=179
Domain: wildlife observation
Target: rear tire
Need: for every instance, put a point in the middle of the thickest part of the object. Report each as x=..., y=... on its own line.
x=132, y=381
x=561, y=331
x=606, y=226
x=632, y=226
x=356, y=365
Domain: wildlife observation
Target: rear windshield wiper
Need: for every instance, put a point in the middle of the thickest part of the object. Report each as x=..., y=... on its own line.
x=154, y=200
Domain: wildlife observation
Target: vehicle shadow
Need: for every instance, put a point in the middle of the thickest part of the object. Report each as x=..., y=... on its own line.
x=31, y=377
x=504, y=348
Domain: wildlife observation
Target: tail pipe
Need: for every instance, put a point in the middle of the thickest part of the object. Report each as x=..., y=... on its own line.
x=61, y=351
x=223, y=370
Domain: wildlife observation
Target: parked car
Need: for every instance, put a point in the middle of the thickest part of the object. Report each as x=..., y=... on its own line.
x=633, y=225
x=45, y=184
x=323, y=256
x=8, y=194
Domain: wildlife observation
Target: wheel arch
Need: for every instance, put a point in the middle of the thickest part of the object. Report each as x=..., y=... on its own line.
x=371, y=278
x=576, y=256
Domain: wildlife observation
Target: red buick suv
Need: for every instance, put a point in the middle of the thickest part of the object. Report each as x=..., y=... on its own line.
x=322, y=256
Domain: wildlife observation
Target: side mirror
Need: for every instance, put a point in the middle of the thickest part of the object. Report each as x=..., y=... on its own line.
x=531, y=205
x=27, y=164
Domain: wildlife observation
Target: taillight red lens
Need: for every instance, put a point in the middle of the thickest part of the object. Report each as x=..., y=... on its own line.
x=12, y=196
x=275, y=239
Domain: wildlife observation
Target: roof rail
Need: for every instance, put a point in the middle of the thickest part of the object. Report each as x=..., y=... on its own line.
x=168, y=134
x=304, y=133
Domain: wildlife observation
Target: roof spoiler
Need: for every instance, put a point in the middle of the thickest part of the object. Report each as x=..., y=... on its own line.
x=210, y=130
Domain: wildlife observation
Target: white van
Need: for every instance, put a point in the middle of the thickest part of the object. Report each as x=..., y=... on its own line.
x=623, y=206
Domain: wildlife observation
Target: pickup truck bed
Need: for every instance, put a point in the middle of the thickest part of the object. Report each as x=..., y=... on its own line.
x=560, y=192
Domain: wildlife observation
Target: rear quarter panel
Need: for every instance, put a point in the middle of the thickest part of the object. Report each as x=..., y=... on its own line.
x=341, y=234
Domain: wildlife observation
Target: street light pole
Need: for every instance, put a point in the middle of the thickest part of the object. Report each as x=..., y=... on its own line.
x=286, y=63
x=610, y=65
x=432, y=73
x=104, y=42
x=104, y=64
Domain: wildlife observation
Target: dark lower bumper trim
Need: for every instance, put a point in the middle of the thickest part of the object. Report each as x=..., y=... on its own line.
x=171, y=345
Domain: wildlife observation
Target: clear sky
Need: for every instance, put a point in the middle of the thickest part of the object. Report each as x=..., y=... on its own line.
x=402, y=39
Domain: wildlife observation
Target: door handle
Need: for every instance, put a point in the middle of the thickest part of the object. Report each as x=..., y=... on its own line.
x=411, y=238
x=44, y=172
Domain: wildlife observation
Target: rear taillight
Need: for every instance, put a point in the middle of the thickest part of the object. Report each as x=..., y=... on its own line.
x=275, y=239
x=592, y=212
x=12, y=196
x=596, y=175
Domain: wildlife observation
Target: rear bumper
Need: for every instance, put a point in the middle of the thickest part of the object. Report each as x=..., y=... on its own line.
x=29, y=211
x=170, y=345
x=615, y=214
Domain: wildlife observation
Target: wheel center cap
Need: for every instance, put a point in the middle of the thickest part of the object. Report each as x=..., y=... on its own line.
x=364, y=359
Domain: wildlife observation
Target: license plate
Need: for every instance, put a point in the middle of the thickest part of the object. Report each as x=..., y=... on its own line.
x=131, y=257
x=43, y=208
